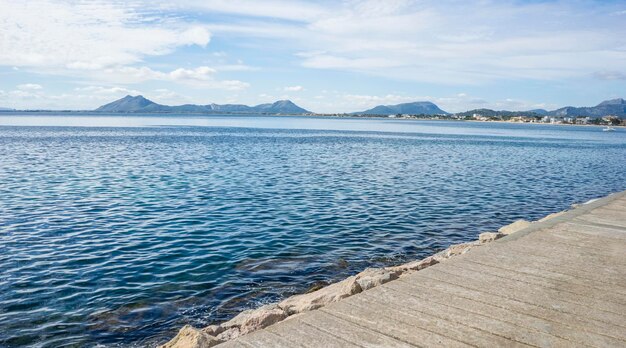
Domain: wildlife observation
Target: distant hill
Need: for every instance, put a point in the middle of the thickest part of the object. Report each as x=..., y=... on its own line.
x=141, y=104
x=541, y=112
x=6, y=109
x=502, y=113
x=130, y=104
x=281, y=106
x=616, y=107
x=416, y=108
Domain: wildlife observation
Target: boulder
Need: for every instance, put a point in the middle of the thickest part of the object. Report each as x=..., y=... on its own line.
x=213, y=330
x=254, y=319
x=373, y=277
x=321, y=297
x=487, y=237
x=454, y=250
x=190, y=337
x=415, y=265
x=514, y=227
x=229, y=334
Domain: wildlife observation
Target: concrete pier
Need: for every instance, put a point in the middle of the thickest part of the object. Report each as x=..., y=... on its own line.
x=558, y=283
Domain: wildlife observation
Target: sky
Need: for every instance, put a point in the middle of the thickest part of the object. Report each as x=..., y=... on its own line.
x=326, y=56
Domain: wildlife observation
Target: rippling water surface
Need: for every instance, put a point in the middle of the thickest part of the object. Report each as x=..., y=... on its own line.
x=119, y=234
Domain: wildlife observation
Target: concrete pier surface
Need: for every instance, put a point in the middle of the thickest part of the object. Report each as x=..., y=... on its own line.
x=558, y=283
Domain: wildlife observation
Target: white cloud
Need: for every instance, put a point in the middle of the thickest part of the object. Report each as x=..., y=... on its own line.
x=87, y=35
x=201, y=77
x=447, y=41
x=293, y=10
x=202, y=73
x=610, y=75
x=100, y=90
x=29, y=87
x=293, y=89
x=168, y=97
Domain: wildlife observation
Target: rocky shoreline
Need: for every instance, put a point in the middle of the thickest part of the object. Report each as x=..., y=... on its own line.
x=256, y=319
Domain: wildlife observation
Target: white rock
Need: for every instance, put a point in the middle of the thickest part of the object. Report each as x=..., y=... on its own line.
x=455, y=250
x=229, y=334
x=373, y=277
x=415, y=265
x=514, y=227
x=254, y=319
x=487, y=237
x=213, y=330
x=190, y=337
x=321, y=297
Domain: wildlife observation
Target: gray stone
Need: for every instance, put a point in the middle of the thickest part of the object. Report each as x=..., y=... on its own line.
x=372, y=277
x=321, y=297
x=254, y=319
x=488, y=237
x=213, y=330
x=190, y=337
x=455, y=250
x=229, y=334
x=415, y=265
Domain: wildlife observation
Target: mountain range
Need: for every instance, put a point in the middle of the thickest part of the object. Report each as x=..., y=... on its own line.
x=615, y=107
x=132, y=104
x=415, y=108
x=141, y=104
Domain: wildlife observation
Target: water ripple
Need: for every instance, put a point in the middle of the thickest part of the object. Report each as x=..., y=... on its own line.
x=119, y=236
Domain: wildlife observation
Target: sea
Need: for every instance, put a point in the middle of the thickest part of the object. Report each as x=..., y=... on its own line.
x=116, y=230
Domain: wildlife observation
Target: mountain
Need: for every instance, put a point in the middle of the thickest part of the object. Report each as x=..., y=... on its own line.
x=130, y=104
x=541, y=112
x=616, y=107
x=416, y=108
x=6, y=109
x=281, y=107
x=501, y=113
x=141, y=104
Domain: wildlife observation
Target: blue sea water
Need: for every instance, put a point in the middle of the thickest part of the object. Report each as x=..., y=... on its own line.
x=118, y=230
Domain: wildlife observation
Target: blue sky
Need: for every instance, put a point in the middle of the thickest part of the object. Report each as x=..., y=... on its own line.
x=327, y=56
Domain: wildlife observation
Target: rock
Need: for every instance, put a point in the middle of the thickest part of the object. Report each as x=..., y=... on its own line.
x=229, y=334
x=487, y=237
x=553, y=215
x=372, y=277
x=316, y=286
x=454, y=250
x=190, y=337
x=254, y=319
x=213, y=330
x=514, y=227
x=415, y=265
x=322, y=297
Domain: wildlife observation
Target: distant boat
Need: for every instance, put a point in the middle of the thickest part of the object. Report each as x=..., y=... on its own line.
x=608, y=129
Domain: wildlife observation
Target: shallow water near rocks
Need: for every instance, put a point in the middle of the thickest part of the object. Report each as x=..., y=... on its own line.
x=119, y=234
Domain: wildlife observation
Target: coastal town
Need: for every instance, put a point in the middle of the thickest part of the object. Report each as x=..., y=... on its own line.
x=608, y=120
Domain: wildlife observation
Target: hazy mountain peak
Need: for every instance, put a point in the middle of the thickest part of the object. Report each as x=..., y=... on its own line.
x=616, y=107
x=413, y=108
x=127, y=104
x=617, y=101
x=141, y=104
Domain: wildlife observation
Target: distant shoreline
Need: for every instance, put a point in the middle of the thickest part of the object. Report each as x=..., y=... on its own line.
x=377, y=117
